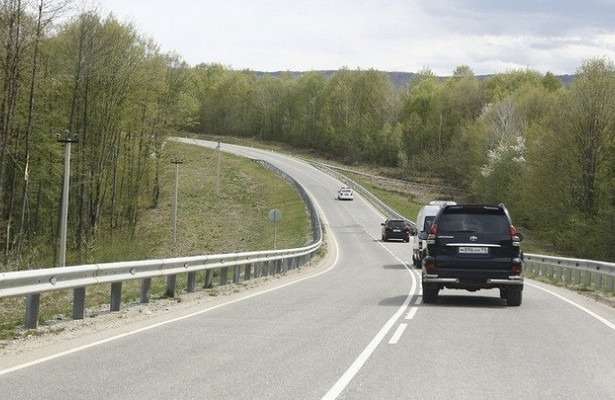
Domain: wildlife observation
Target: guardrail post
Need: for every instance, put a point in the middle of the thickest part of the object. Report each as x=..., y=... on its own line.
x=223, y=276
x=588, y=279
x=236, y=274
x=146, y=285
x=599, y=281
x=209, y=279
x=577, y=277
x=79, y=303
x=265, y=268
x=171, y=285
x=33, y=304
x=191, y=283
x=247, y=273
x=259, y=269
x=610, y=284
x=116, y=296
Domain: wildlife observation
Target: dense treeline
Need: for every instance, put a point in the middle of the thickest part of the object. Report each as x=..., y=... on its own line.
x=99, y=81
x=521, y=138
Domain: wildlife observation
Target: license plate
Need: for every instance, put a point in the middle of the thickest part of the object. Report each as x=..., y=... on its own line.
x=396, y=230
x=473, y=250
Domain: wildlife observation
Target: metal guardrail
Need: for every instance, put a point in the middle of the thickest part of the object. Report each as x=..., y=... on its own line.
x=573, y=272
x=379, y=204
x=255, y=264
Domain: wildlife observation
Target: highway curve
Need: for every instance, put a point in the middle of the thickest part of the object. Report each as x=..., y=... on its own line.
x=358, y=331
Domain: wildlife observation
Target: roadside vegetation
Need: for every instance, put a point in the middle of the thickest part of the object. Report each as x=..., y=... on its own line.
x=236, y=220
x=546, y=150
x=403, y=202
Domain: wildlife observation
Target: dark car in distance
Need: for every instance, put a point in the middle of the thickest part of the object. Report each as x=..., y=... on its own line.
x=396, y=229
x=473, y=247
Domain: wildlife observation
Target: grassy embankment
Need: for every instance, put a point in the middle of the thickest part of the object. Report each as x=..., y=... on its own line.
x=234, y=221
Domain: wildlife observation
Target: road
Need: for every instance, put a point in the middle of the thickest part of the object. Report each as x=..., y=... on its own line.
x=358, y=331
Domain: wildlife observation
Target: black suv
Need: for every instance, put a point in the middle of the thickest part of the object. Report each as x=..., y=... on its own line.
x=473, y=247
x=396, y=229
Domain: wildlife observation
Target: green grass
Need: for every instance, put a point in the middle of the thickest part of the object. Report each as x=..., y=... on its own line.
x=234, y=221
x=403, y=203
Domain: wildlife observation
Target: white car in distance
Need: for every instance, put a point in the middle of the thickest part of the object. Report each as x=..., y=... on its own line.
x=345, y=193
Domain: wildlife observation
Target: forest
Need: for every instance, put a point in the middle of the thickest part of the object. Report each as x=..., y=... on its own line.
x=522, y=138
x=544, y=149
x=96, y=80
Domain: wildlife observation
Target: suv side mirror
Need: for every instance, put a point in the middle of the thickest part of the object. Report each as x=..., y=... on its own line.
x=423, y=236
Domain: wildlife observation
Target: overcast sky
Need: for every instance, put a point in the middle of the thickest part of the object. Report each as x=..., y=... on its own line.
x=393, y=35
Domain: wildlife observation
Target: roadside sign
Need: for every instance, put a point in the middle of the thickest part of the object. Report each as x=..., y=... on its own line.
x=275, y=215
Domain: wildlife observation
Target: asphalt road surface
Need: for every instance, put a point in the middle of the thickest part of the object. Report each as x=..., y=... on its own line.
x=358, y=331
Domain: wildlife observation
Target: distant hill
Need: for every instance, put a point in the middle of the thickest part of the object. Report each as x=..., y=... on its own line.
x=399, y=79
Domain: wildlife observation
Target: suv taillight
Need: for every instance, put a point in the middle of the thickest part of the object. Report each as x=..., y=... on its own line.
x=430, y=265
x=517, y=266
x=433, y=232
x=514, y=234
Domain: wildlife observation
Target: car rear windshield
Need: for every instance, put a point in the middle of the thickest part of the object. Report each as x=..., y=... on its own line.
x=478, y=220
x=397, y=224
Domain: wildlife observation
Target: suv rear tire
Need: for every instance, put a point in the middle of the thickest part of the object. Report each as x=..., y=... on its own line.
x=430, y=293
x=514, y=297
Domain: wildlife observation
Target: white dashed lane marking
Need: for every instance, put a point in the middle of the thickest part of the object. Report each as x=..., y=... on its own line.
x=398, y=332
x=411, y=313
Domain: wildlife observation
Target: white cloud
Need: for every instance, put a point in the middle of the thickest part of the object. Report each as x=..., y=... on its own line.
x=389, y=35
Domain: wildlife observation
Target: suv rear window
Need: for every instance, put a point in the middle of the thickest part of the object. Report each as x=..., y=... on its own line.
x=474, y=220
x=397, y=224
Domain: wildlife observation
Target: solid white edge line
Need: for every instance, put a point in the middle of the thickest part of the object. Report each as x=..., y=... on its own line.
x=398, y=332
x=411, y=313
x=571, y=302
x=183, y=317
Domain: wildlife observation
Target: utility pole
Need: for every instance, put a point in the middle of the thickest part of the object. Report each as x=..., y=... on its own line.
x=219, y=149
x=68, y=141
x=177, y=163
x=78, y=293
x=172, y=279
